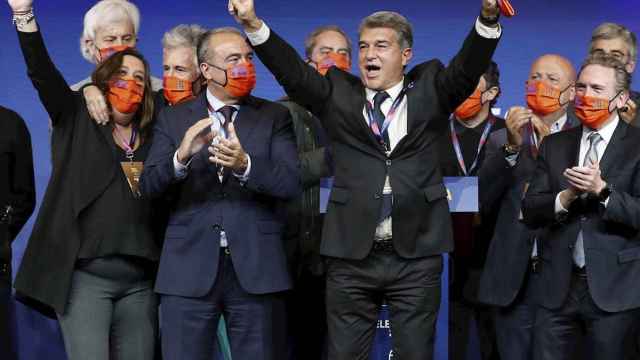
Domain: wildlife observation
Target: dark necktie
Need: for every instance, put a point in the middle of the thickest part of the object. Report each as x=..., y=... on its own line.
x=227, y=112
x=379, y=117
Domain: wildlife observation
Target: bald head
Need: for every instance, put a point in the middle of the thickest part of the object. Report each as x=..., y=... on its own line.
x=555, y=70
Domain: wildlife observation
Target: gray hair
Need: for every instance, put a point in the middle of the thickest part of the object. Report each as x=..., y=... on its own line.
x=622, y=77
x=107, y=12
x=608, y=31
x=203, y=44
x=392, y=20
x=184, y=36
x=310, y=41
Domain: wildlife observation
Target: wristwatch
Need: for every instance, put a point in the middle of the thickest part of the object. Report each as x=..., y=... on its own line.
x=605, y=192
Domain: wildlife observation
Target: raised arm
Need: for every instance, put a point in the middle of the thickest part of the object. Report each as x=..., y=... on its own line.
x=53, y=90
x=461, y=76
x=303, y=84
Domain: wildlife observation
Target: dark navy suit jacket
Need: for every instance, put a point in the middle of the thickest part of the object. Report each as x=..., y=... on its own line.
x=203, y=206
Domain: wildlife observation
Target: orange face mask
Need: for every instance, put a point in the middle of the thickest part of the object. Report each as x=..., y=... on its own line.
x=240, y=79
x=470, y=107
x=543, y=99
x=107, y=52
x=125, y=95
x=176, y=90
x=340, y=61
x=592, y=111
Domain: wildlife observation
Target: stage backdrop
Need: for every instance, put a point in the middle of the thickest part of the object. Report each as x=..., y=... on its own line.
x=542, y=26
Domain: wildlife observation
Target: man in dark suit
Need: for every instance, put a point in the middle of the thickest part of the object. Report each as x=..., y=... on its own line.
x=585, y=199
x=510, y=162
x=621, y=43
x=223, y=251
x=462, y=154
x=17, y=201
x=383, y=130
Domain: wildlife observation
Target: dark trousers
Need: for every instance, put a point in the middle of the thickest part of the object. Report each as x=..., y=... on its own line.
x=608, y=335
x=189, y=325
x=307, y=320
x=514, y=324
x=355, y=290
x=7, y=351
x=112, y=312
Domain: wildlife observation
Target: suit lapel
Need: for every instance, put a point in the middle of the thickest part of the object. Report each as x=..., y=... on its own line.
x=614, y=149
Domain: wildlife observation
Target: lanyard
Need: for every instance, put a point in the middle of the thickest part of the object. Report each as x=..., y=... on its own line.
x=379, y=133
x=127, y=145
x=458, y=150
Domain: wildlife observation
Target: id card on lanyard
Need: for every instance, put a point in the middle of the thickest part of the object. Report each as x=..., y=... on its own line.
x=132, y=169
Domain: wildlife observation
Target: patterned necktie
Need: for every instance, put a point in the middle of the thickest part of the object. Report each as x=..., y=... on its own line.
x=227, y=112
x=378, y=115
x=590, y=158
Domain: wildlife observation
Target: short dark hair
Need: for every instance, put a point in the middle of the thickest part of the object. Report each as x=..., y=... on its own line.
x=392, y=20
x=492, y=78
x=203, y=43
x=310, y=41
x=107, y=71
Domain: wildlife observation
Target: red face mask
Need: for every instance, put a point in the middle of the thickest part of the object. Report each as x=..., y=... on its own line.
x=592, y=111
x=177, y=90
x=340, y=61
x=470, y=107
x=125, y=95
x=240, y=79
x=107, y=52
x=543, y=99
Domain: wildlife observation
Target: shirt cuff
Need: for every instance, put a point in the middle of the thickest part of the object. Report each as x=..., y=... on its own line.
x=512, y=159
x=558, y=207
x=606, y=202
x=259, y=37
x=243, y=178
x=484, y=30
x=179, y=170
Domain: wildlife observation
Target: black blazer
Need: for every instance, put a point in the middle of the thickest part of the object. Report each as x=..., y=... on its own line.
x=611, y=239
x=17, y=187
x=421, y=225
x=502, y=188
x=83, y=166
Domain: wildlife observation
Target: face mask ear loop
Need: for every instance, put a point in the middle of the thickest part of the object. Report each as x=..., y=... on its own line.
x=226, y=79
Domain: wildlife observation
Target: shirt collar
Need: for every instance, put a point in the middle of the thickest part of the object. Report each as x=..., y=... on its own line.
x=606, y=131
x=393, y=91
x=216, y=103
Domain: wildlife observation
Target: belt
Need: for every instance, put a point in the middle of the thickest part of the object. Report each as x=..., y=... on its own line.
x=383, y=246
x=580, y=271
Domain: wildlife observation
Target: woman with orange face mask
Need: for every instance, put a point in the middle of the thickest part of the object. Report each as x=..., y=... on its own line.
x=92, y=254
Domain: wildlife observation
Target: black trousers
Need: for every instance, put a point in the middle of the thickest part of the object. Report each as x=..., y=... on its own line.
x=7, y=351
x=607, y=336
x=356, y=288
x=307, y=321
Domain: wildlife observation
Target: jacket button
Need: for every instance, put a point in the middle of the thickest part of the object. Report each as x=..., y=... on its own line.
x=388, y=162
x=376, y=196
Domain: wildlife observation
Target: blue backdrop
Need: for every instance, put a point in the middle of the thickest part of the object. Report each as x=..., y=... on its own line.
x=542, y=26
